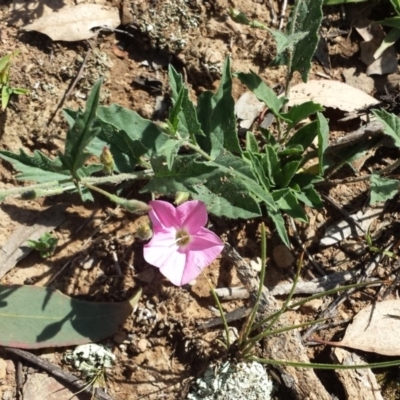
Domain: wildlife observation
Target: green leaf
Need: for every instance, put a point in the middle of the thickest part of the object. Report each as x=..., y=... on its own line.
x=81, y=133
x=34, y=317
x=271, y=165
x=393, y=22
x=221, y=188
x=251, y=143
x=391, y=124
x=284, y=41
x=5, y=96
x=170, y=150
x=382, y=189
x=46, y=244
x=304, y=136
x=396, y=6
x=259, y=170
x=300, y=112
x=289, y=204
x=217, y=117
x=288, y=171
x=37, y=168
x=336, y=2
x=262, y=91
x=174, y=114
x=310, y=197
x=323, y=140
x=189, y=125
x=141, y=137
x=279, y=223
x=306, y=16
x=389, y=40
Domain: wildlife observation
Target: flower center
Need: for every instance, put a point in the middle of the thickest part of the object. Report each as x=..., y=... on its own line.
x=182, y=237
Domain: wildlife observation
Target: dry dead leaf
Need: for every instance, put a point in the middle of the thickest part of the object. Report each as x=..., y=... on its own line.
x=343, y=229
x=332, y=94
x=375, y=329
x=75, y=23
x=373, y=35
x=247, y=109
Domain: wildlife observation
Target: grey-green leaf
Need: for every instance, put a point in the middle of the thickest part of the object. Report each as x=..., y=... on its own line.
x=34, y=317
x=262, y=91
x=383, y=189
x=306, y=16
x=145, y=137
x=391, y=124
x=187, y=116
x=217, y=117
x=81, y=133
x=37, y=168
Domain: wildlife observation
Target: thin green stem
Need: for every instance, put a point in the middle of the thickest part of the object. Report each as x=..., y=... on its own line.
x=252, y=342
x=317, y=296
x=221, y=311
x=250, y=320
x=325, y=366
x=60, y=186
x=198, y=150
x=290, y=50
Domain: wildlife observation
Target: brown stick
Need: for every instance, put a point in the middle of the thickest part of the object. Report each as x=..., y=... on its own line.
x=58, y=372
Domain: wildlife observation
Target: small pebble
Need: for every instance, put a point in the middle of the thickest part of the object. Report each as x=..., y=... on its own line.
x=312, y=306
x=283, y=256
x=142, y=345
x=3, y=368
x=10, y=367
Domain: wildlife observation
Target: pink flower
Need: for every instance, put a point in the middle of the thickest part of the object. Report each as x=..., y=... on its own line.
x=181, y=246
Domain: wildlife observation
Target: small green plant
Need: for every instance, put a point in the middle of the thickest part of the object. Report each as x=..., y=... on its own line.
x=46, y=245
x=6, y=89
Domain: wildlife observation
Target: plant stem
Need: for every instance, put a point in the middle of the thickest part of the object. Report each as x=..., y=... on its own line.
x=250, y=320
x=60, y=186
x=325, y=366
x=290, y=50
x=198, y=150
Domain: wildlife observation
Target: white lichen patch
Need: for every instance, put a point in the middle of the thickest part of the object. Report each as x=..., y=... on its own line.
x=169, y=23
x=228, y=381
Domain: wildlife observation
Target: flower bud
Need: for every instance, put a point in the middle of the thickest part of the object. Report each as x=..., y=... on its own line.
x=134, y=206
x=144, y=231
x=181, y=197
x=106, y=158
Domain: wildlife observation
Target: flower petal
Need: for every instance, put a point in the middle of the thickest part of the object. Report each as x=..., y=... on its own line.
x=201, y=252
x=164, y=253
x=192, y=215
x=162, y=215
x=174, y=268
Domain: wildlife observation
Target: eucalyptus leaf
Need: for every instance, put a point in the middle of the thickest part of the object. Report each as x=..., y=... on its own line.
x=33, y=317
